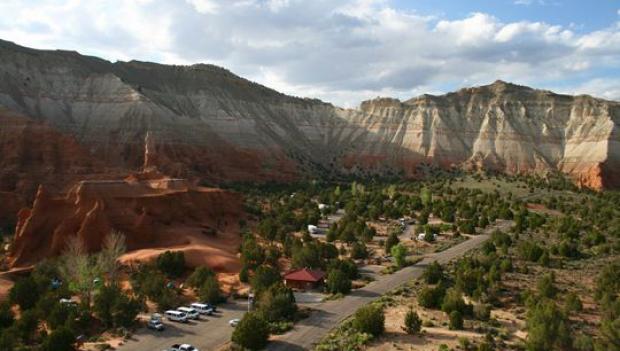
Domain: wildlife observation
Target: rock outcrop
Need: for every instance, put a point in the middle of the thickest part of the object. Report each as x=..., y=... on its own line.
x=203, y=122
x=153, y=213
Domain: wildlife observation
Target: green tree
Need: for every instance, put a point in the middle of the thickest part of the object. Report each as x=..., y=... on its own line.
x=252, y=332
x=453, y=301
x=399, y=252
x=277, y=304
x=573, y=303
x=264, y=277
x=432, y=297
x=547, y=328
x=433, y=273
x=172, y=263
x=546, y=286
x=338, y=282
x=115, y=308
x=24, y=293
x=210, y=291
x=413, y=323
x=370, y=319
x=199, y=277
x=27, y=325
x=391, y=241
x=61, y=339
x=359, y=250
x=456, y=320
x=7, y=318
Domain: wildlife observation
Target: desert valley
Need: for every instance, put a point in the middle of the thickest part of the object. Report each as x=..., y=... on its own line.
x=148, y=206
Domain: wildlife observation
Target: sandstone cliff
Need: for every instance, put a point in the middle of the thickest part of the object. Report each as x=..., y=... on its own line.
x=154, y=214
x=204, y=122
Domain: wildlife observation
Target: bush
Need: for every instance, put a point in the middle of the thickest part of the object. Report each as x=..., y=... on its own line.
x=482, y=312
x=546, y=286
x=359, y=251
x=413, y=323
x=530, y=251
x=370, y=319
x=171, y=263
x=573, y=303
x=61, y=339
x=264, y=277
x=433, y=274
x=6, y=315
x=432, y=297
x=199, y=277
x=547, y=328
x=114, y=307
x=24, y=293
x=399, y=252
x=453, y=301
x=456, y=320
x=391, y=241
x=277, y=304
x=210, y=291
x=252, y=332
x=338, y=282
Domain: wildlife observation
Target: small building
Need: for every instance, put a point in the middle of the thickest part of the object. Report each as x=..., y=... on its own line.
x=304, y=279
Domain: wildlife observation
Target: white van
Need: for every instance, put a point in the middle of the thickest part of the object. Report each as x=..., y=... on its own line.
x=176, y=316
x=202, y=308
x=190, y=312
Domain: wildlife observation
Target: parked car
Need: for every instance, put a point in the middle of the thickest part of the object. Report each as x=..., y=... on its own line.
x=190, y=312
x=176, y=316
x=202, y=308
x=155, y=324
x=183, y=347
x=234, y=322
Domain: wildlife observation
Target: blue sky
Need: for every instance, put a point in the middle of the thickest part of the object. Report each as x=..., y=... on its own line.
x=345, y=51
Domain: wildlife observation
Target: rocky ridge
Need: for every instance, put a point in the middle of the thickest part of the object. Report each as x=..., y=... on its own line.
x=206, y=123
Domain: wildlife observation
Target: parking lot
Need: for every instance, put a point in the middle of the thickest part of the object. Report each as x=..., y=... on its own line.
x=208, y=333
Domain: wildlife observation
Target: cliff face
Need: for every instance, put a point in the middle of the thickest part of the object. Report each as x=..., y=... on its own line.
x=203, y=121
x=153, y=214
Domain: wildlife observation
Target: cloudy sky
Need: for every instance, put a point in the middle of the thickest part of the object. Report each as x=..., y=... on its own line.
x=345, y=51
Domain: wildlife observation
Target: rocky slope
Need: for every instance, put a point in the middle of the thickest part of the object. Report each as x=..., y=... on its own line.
x=204, y=122
x=154, y=213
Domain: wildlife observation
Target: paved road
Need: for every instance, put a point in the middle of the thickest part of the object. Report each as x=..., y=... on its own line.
x=206, y=334
x=330, y=313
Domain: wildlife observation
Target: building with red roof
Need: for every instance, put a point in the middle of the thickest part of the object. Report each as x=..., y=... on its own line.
x=304, y=278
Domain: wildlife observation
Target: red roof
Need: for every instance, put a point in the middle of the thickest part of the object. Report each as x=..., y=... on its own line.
x=305, y=275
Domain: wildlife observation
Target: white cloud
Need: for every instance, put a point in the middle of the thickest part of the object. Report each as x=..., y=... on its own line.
x=342, y=51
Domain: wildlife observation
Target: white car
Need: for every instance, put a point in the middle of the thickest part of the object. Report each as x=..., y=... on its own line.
x=234, y=322
x=190, y=312
x=183, y=347
x=202, y=308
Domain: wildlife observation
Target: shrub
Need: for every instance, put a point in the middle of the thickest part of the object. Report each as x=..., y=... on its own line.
x=172, y=263
x=338, y=282
x=61, y=339
x=547, y=328
x=433, y=273
x=456, y=320
x=359, y=251
x=264, y=277
x=6, y=315
x=529, y=251
x=391, y=241
x=482, y=312
x=573, y=303
x=252, y=332
x=24, y=293
x=277, y=304
x=413, y=323
x=546, y=286
x=210, y=291
x=453, y=301
x=431, y=297
x=370, y=319
x=200, y=276
x=399, y=252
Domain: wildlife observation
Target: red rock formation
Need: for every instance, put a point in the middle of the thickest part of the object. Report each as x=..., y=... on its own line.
x=153, y=214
